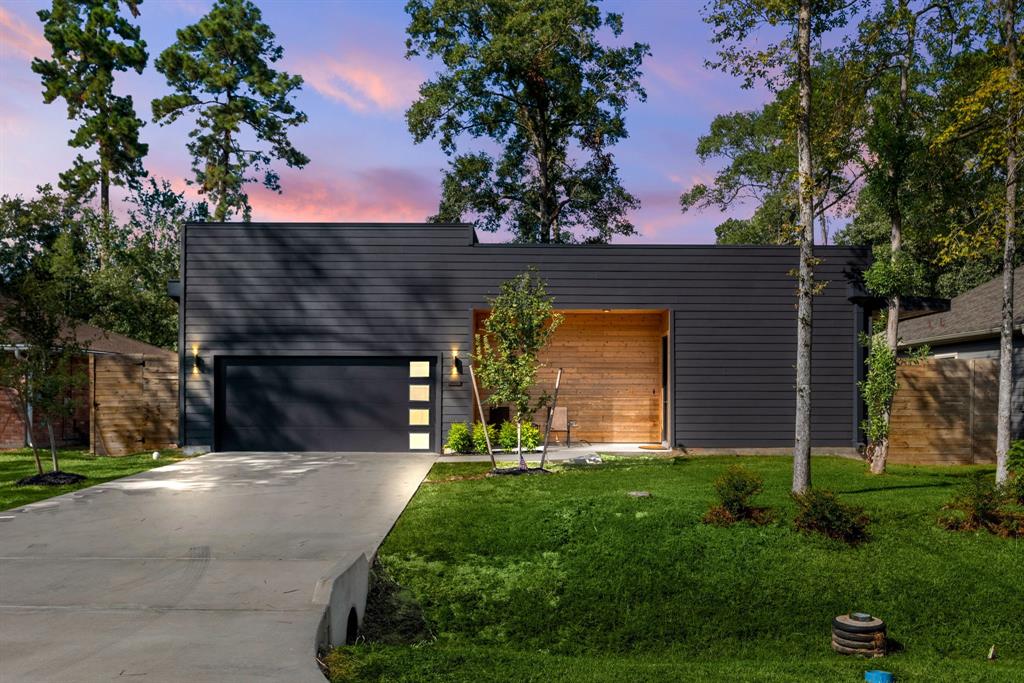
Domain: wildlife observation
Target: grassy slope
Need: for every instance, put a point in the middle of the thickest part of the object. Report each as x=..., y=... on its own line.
x=17, y=464
x=566, y=578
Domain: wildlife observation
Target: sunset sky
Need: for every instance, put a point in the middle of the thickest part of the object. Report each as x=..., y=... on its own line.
x=364, y=165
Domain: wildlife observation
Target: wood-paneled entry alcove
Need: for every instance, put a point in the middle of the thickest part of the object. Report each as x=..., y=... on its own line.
x=613, y=380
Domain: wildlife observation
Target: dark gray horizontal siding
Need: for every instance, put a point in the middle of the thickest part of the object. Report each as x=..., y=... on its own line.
x=405, y=290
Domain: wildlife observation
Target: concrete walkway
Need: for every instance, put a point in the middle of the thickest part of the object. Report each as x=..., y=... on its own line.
x=203, y=570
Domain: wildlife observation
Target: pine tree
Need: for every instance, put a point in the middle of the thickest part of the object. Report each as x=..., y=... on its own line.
x=220, y=71
x=91, y=40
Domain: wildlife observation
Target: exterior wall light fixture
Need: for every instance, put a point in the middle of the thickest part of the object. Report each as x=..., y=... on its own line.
x=197, y=362
x=455, y=378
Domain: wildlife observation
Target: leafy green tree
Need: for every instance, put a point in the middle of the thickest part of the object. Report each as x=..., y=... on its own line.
x=129, y=293
x=520, y=325
x=990, y=114
x=220, y=70
x=91, y=40
x=28, y=228
x=534, y=78
x=785, y=63
x=761, y=168
x=38, y=311
x=900, y=92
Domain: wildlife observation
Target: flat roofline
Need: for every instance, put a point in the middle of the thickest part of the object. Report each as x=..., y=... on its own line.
x=323, y=224
x=474, y=240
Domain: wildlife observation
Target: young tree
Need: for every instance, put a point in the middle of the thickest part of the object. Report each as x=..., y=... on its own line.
x=520, y=324
x=37, y=317
x=787, y=62
x=220, y=70
x=534, y=78
x=990, y=113
x=90, y=41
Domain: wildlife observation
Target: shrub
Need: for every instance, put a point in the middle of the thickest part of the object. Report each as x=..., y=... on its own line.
x=459, y=439
x=479, y=441
x=1016, y=465
x=819, y=511
x=980, y=504
x=507, y=436
x=719, y=516
x=1016, y=457
x=736, y=489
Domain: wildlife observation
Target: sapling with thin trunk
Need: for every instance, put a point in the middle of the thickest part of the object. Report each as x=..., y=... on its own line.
x=507, y=351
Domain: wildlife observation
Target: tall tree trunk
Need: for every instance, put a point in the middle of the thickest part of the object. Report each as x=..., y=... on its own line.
x=1006, y=328
x=543, y=168
x=802, y=441
x=880, y=450
x=220, y=214
x=104, y=192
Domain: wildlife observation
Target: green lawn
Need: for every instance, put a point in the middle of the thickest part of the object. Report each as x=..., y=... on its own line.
x=19, y=463
x=566, y=578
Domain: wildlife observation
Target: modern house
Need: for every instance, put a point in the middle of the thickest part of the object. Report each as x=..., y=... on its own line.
x=315, y=337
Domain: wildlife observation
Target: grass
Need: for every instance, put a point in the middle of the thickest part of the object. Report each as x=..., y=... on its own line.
x=565, y=577
x=97, y=469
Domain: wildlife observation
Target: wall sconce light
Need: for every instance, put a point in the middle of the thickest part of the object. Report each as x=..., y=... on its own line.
x=455, y=379
x=196, y=362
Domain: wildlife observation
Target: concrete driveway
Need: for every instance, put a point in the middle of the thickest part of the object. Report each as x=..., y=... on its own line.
x=203, y=570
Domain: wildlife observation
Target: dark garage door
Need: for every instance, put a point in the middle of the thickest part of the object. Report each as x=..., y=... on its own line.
x=324, y=404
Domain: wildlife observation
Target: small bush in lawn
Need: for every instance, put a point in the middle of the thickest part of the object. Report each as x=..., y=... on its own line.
x=819, y=511
x=981, y=505
x=1016, y=465
x=507, y=436
x=719, y=516
x=736, y=490
x=480, y=441
x=459, y=439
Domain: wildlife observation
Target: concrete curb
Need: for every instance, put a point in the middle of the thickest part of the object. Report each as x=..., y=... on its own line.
x=342, y=593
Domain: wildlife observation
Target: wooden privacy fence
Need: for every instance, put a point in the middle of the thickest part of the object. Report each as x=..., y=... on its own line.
x=944, y=412
x=134, y=403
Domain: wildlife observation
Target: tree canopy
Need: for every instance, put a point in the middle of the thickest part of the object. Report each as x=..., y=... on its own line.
x=92, y=40
x=534, y=78
x=220, y=71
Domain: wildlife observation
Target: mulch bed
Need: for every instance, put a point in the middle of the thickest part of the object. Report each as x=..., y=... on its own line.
x=51, y=479
x=502, y=471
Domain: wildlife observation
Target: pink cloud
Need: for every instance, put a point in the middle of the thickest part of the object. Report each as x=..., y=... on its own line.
x=19, y=40
x=361, y=81
x=375, y=194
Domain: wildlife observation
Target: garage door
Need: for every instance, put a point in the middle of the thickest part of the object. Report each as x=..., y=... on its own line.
x=324, y=404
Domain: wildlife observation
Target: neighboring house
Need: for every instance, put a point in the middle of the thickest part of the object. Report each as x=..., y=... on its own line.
x=127, y=404
x=314, y=337
x=969, y=330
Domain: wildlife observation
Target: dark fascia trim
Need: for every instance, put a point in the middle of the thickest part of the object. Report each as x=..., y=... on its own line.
x=475, y=241
x=320, y=224
x=662, y=245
